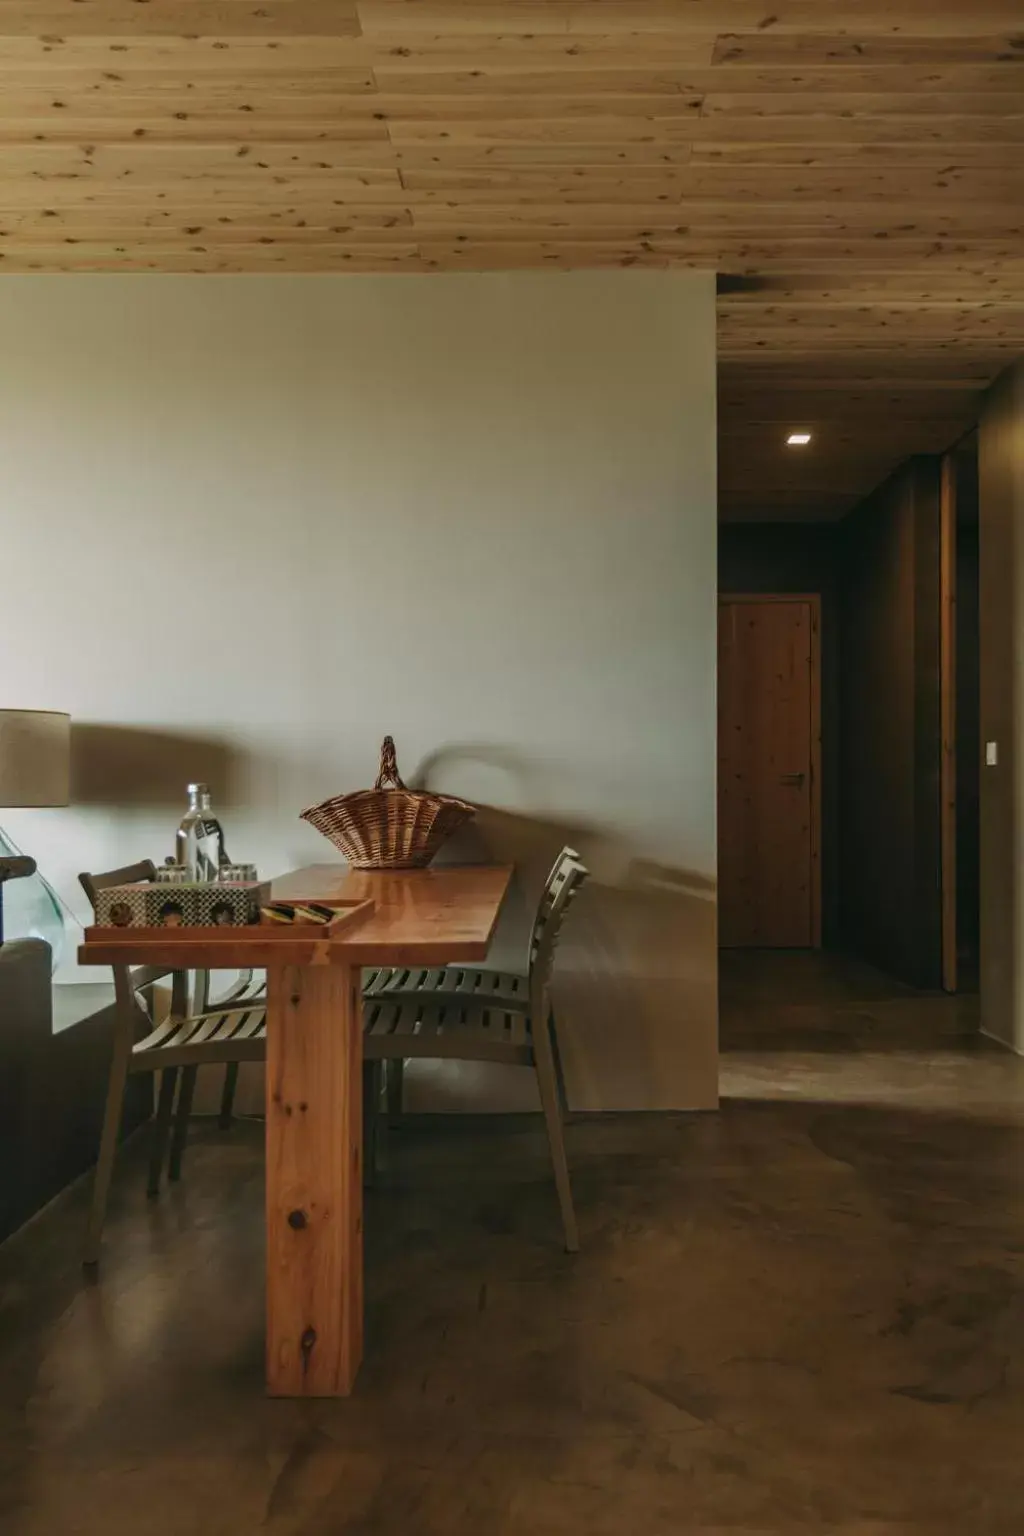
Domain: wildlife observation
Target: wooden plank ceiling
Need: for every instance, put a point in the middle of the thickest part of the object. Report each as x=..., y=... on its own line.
x=852, y=168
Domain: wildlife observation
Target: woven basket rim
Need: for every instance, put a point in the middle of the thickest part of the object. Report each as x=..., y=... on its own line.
x=361, y=796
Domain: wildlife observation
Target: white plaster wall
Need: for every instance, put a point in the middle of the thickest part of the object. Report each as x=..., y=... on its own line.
x=251, y=524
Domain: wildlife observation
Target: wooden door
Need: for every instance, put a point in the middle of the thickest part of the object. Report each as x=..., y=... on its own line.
x=769, y=793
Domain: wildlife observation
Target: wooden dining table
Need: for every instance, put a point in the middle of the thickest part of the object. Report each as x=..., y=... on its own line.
x=314, y=1198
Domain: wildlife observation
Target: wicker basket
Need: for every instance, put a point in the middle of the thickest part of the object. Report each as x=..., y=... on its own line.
x=388, y=828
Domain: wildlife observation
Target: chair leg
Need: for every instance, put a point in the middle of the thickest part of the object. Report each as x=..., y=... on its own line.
x=393, y=1086
x=563, y=1097
x=124, y=1029
x=371, y=1119
x=161, y=1130
x=181, y=1119
x=227, y=1098
x=543, y=1060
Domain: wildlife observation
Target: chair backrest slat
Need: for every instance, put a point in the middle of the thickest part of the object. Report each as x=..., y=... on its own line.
x=563, y=885
x=567, y=860
x=128, y=874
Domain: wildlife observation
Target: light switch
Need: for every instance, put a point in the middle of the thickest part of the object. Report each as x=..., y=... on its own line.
x=991, y=754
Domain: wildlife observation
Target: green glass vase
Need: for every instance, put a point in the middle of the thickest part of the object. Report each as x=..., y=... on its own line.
x=31, y=908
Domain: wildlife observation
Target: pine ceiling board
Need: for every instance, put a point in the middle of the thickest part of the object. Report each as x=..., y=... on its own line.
x=931, y=351
x=610, y=132
x=868, y=320
x=510, y=184
x=666, y=77
x=219, y=195
x=787, y=221
x=200, y=259
x=233, y=226
x=538, y=50
x=772, y=48
x=651, y=82
x=912, y=106
x=110, y=127
x=923, y=155
x=31, y=60
x=925, y=337
x=177, y=18
x=178, y=164
x=490, y=18
x=347, y=91
x=890, y=129
x=616, y=153
x=607, y=104
x=852, y=168
x=932, y=18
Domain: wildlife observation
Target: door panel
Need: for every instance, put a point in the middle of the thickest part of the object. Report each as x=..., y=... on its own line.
x=768, y=795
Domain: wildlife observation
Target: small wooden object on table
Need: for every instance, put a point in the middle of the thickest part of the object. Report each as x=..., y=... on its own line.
x=314, y=1078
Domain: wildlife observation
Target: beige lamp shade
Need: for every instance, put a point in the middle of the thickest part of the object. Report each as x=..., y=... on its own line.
x=35, y=757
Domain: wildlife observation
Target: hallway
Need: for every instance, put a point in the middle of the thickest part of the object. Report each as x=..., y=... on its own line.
x=802, y=1315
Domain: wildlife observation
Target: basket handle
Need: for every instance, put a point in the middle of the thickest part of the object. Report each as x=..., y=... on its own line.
x=389, y=773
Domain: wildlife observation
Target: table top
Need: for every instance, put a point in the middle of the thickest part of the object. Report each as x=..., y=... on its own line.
x=418, y=917
x=448, y=910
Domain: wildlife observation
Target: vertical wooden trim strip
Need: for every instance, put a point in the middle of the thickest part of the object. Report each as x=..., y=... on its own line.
x=947, y=716
x=314, y=1180
x=814, y=601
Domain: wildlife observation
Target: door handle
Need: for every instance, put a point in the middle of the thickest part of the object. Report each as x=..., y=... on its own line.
x=794, y=779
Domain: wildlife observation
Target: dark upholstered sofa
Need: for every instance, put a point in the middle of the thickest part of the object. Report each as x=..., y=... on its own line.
x=52, y=1087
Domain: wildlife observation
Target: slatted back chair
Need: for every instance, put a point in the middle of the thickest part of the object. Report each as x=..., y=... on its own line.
x=480, y=985
x=231, y=1031
x=455, y=1026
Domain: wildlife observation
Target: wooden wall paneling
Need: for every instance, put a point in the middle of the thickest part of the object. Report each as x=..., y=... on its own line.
x=968, y=711
x=877, y=730
x=948, y=697
x=816, y=773
x=890, y=737
x=928, y=689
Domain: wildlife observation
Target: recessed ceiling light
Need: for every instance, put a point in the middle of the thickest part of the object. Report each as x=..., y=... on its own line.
x=798, y=439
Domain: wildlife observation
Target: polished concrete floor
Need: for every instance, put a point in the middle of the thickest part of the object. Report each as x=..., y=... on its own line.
x=802, y=1315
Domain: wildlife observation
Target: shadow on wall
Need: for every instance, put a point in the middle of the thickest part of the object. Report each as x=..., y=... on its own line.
x=129, y=766
x=635, y=986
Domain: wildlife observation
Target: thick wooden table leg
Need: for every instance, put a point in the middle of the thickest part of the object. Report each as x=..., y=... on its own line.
x=314, y=1180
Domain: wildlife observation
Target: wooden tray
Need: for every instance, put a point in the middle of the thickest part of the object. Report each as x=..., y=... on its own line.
x=224, y=948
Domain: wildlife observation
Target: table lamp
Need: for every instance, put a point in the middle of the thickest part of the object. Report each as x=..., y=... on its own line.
x=35, y=770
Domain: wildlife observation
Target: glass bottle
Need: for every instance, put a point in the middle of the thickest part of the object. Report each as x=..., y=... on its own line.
x=199, y=842
x=212, y=852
